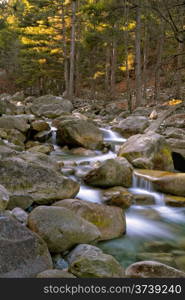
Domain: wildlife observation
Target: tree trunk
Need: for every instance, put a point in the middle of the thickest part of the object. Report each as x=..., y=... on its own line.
x=129, y=94
x=145, y=61
x=77, y=75
x=66, y=70
x=138, y=56
x=107, y=69
x=72, y=51
x=158, y=64
x=113, y=65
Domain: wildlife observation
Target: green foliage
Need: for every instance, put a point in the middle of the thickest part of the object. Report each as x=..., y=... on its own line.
x=33, y=34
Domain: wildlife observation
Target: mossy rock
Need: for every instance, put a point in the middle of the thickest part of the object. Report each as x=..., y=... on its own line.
x=110, y=220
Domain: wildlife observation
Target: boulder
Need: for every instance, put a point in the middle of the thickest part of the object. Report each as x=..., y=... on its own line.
x=6, y=106
x=109, y=220
x=143, y=199
x=152, y=269
x=177, y=145
x=166, y=182
x=40, y=159
x=14, y=122
x=82, y=152
x=50, y=106
x=61, y=228
x=118, y=196
x=132, y=125
x=34, y=180
x=87, y=261
x=40, y=125
x=20, y=215
x=13, y=136
x=19, y=96
x=55, y=274
x=172, y=132
x=176, y=120
x=175, y=201
x=23, y=253
x=79, y=133
x=111, y=172
x=46, y=148
x=142, y=111
x=6, y=151
x=4, y=198
x=148, y=151
x=43, y=136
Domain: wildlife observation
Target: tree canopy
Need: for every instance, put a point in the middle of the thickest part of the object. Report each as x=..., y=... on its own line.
x=106, y=46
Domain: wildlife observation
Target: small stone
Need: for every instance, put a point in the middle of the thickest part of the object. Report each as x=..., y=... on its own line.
x=20, y=215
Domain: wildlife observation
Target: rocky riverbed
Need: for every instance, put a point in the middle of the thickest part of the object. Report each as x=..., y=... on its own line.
x=91, y=190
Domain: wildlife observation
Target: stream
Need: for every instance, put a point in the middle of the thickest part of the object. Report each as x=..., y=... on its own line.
x=154, y=232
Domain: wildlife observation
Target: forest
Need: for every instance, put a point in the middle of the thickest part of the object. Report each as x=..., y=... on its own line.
x=92, y=139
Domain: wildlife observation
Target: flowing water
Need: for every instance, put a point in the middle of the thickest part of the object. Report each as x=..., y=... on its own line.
x=153, y=232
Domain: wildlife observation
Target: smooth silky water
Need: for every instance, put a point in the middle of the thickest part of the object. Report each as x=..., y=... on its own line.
x=153, y=232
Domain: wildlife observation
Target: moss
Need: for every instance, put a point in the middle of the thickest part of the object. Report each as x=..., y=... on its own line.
x=163, y=160
x=99, y=220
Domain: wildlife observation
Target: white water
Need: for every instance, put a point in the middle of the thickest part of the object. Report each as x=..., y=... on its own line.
x=142, y=186
x=139, y=226
x=112, y=136
x=89, y=194
x=53, y=131
x=54, y=135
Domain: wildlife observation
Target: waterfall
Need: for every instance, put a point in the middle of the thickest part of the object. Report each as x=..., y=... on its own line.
x=112, y=136
x=141, y=185
x=53, y=135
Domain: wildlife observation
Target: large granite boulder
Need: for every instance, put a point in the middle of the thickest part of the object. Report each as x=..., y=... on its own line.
x=132, y=125
x=50, y=106
x=148, y=151
x=87, y=261
x=61, y=228
x=110, y=220
x=152, y=269
x=79, y=133
x=112, y=172
x=34, y=180
x=14, y=122
x=23, y=253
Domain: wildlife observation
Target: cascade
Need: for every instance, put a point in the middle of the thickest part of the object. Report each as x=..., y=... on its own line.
x=141, y=185
x=112, y=136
